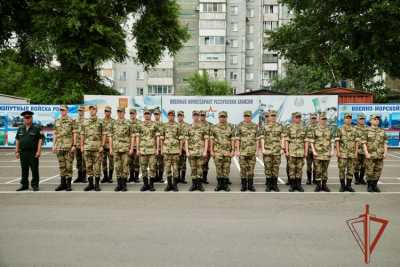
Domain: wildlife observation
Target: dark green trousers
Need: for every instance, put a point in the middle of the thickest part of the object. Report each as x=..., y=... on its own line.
x=28, y=160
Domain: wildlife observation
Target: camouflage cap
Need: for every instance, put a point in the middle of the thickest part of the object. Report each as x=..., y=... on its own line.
x=375, y=116
x=247, y=113
x=361, y=116
x=132, y=110
x=93, y=106
x=121, y=109
x=180, y=112
x=296, y=114
x=195, y=112
x=346, y=115
x=272, y=112
x=107, y=108
x=203, y=112
x=222, y=113
x=156, y=111
x=171, y=112
x=322, y=115
x=313, y=115
x=81, y=108
x=63, y=107
x=27, y=113
x=146, y=110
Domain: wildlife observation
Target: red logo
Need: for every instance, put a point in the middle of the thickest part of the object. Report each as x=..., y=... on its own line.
x=364, y=240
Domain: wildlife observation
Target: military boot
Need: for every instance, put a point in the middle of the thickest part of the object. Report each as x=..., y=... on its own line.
x=268, y=184
x=68, y=184
x=250, y=185
x=244, y=185
x=193, y=186
x=200, y=186
x=97, y=184
x=342, y=186
x=318, y=187
x=292, y=185
x=124, y=186
x=118, y=187
x=79, y=178
x=175, y=184
x=183, y=177
x=225, y=184
x=348, y=186
x=169, y=184
x=370, y=187
x=375, y=186
x=62, y=185
x=308, y=177
x=145, y=186
x=219, y=185
x=136, y=177
x=314, y=177
x=204, y=177
x=151, y=184
x=84, y=178
x=110, y=175
x=90, y=185
x=275, y=184
x=105, y=177
x=131, y=177
x=298, y=185
x=325, y=186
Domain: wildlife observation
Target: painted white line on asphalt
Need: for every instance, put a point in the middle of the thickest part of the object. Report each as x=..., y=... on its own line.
x=196, y=193
x=235, y=160
x=49, y=178
x=394, y=155
x=13, y=180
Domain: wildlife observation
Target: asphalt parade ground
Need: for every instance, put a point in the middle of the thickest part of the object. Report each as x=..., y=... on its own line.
x=134, y=228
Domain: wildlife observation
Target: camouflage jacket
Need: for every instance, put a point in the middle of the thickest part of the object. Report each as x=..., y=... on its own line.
x=272, y=134
x=361, y=131
x=171, y=134
x=296, y=137
x=93, y=131
x=310, y=127
x=196, y=135
x=64, y=130
x=148, y=131
x=375, y=139
x=246, y=133
x=108, y=124
x=121, y=133
x=135, y=125
x=347, y=137
x=78, y=124
x=322, y=138
x=222, y=135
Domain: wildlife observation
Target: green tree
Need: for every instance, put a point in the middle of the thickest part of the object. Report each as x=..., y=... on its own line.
x=201, y=84
x=350, y=39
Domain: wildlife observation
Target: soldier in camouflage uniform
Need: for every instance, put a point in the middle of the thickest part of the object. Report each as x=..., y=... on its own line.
x=296, y=150
x=196, y=145
x=80, y=161
x=346, y=151
x=133, y=160
x=208, y=125
x=272, y=145
x=321, y=140
x=147, y=140
x=359, y=168
x=246, y=148
x=182, y=157
x=64, y=146
x=222, y=146
x=93, y=135
x=120, y=137
x=107, y=156
x=310, y=157
x=171, y=139
x=375, y=147
x=159, y=156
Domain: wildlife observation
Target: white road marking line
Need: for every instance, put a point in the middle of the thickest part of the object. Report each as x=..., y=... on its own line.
x=262, y=163
x=50, y=178
x=196, y=193
x=235, y=160
x=394, y=155
x=13, y=180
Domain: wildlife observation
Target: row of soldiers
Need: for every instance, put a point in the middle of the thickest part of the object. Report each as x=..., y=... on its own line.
x=156, y=147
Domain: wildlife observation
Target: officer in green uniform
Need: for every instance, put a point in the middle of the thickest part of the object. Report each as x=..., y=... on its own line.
x=182, y=157
x=28, y=148
x=359, y=168
x=133, y=161
x=80, y=161
x=159, y=157
x=107, y=156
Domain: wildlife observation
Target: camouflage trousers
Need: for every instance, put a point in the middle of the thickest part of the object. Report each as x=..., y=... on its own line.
x=359, y=164
x=247, y=164
x=271, y=165
x=182, y=162
x=171, y=164
x=321, y=169
x=121, y=164
x=148, y=161
x=310, y=162
x=160, y=163
x=346, y=168
x=65, y=161
x=222, y=165
x=374, y=169
x=196, y=163
x=93, y=163
x=107, y=157
x=80, y=161
x=133, y=162
x=296, y=167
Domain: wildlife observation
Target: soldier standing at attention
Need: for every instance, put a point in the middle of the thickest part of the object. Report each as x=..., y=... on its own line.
x=322, y=140
x=93, y=135
x=375, y=147
x=28, y=149
x=272, y=145
x=80, y=161
x=296, y=150
x=346, y=152
x=64, y=145
x=359, y=171
x=182, y=157
x=246, y=148
x=310, y=157
x=171, y=139
x=120, y=137
x=133, y=160
x=196, y=145
x=222, y=144
x=107, y=156
x=147, y=141
x=159, y=156
x=208, y=125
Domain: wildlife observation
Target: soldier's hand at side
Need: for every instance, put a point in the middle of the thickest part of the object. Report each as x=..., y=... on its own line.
x=237, y=153
x=315, y=153
x=384, y=155
x=131, y=151
x=54, y=149
x=205, y=154
x=188, y=153
x=37, y=155
x=17, y=155
x=73, y=148
x=367, y=155
x=211, y=154
x=356, y=156
x=332, y=153
x=101, y=149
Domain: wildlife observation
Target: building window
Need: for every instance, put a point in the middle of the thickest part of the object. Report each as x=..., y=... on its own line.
x=250, y=12
x=160, y=89
x=249, y=61
x=122, y=76
x=233, y=76
x=250, y=44
x=234, y=27
x=212, y=7
x=234, y=10
x=139, y=91
x=139, y=75
x=271, y=9
x=270, y=58
x=214, y=40
x=269, y=74
x=234, y=59
x=212, y=57
x=249, y=76
x=234, y=43
x=250, y=28
x=270, y=25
